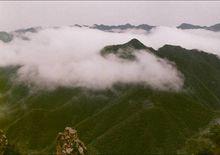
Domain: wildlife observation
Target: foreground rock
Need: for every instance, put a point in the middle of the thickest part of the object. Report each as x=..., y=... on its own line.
x=3, y=142
x=68, y=143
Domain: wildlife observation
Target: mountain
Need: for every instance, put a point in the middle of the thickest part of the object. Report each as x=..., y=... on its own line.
x=126, y=119
x=133, y=43
x=5, y=37
x=125, y=51
x=8, y=36
x=146, y=27
x=214, y=28
x=122, y=27
x=25, y=30
x=189, y=26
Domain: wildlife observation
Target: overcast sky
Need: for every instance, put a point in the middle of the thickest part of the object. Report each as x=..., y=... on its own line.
x=14, y=15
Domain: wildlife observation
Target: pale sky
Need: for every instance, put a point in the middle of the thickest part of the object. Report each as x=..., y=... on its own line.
x=21, y=14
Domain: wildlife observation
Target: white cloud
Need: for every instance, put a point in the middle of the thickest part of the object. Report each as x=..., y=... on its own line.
x=205, y=40
x=70, y=57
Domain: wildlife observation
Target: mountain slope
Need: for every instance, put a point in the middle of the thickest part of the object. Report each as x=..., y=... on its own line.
x=201, y=71
x=126, y=119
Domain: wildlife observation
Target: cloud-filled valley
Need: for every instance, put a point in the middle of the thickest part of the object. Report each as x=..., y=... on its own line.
x=70, y=57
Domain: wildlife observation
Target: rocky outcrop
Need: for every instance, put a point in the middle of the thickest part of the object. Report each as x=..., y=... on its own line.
x=68, y=143
x=3, y=142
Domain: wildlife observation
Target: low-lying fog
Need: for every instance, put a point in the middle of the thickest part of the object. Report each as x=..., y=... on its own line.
x=70, y=57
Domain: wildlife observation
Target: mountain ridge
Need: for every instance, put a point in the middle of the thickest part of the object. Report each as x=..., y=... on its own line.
x=8, y=36
x=214, y=28
x=128, y=118
x=103, y=27
x=126, y=50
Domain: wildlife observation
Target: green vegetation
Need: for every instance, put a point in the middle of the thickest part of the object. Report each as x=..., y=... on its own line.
x=201, y=72
x=205, y=143
x=126, y=119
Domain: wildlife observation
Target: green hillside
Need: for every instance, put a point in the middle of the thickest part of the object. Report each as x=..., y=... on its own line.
x=126, y=119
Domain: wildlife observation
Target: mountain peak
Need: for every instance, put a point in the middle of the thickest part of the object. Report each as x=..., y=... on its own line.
x=135, y=43
x=126, y=50
x=128, y=24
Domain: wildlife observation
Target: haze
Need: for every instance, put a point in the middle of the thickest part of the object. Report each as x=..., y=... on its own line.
x=70, y=57
x=20, y=14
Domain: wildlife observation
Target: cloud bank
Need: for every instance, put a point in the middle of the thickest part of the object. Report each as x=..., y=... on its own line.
x=204, y=40
x=200, y=39
x=70, y=57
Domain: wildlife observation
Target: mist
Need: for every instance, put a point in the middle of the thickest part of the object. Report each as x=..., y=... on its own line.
x=70, y=57
x=200, y=39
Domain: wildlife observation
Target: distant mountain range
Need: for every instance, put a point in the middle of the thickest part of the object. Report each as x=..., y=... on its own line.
x=122, y=27
x=146, y=27
x=214, y=28
x=7, y=37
